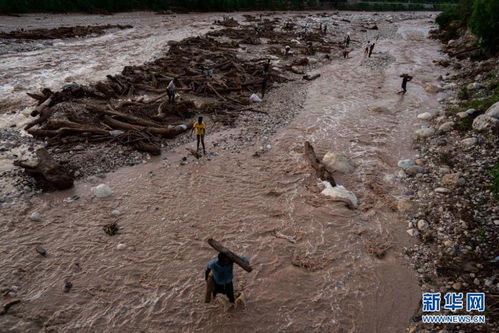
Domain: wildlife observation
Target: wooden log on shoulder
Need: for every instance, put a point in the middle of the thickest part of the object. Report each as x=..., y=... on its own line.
x=48, y=169
x=320, y=169
x=232, y=256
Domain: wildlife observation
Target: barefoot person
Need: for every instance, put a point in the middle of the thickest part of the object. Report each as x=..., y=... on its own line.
x=405, y=78
x=200, y=128
x=220, y=279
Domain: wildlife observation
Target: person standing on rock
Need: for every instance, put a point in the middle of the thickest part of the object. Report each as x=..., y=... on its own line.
x=405, y=78
x=220, y=279
x=368, y=46
x=170, y=90
x=200, y=128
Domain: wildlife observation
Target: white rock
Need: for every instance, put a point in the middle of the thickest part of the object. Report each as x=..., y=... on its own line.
x=463, y=115
x=337, y=162
x=471, y=111
x=469, y=142
x=446, y=127
x=404, y=164
x=425, y=132
x=116, y=132
x=422, y=225
x=457, y=286
x=425, y=116
x=493, y=111
x=442, y=190
x=121, y=246
x=35, y=216
x=116, y=212
x=474, y=85
x=412, y=232
x=340, y=193
x=102, y=191
x=255, y=98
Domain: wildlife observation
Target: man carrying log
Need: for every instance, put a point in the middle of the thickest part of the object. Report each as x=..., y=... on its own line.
x=405, y=78
x=200, y=128
x=220, y=279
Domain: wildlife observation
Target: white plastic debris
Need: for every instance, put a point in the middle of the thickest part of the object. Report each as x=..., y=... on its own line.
x=255, y=98
x=102, y=191
x=184, y=127
x=116, y=132
x=340, y=193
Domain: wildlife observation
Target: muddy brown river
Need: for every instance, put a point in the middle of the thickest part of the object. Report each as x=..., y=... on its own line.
x=312, y=270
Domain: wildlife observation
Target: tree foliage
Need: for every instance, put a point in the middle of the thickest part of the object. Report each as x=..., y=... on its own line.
x=484, y=23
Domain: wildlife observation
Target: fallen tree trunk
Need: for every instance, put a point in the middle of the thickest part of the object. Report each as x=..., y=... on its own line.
x=48, y=170
x=43, y=111
x=320, y=169
x=167, y=132
x=61, y=127
x=232, y=256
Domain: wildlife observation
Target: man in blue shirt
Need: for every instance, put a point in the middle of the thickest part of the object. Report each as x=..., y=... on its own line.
x=220, y=279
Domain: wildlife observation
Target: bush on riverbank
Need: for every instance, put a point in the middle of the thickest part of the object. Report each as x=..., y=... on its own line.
x=480, y=16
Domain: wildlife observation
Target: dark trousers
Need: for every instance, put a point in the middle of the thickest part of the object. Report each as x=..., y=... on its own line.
x=171, y=96
x=212, y=289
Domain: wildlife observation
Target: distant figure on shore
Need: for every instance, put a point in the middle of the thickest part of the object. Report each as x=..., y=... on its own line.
x=346, y=52
x=347, y=40
x=266, y=76
x=200, y=128
x=170, y=90
x=220, y=279
x=371, y=47
x=325, y=29
x=287, y=48
x=405, y=78
x=368, y=46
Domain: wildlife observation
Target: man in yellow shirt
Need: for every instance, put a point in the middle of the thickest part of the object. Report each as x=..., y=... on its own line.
x=200, y=128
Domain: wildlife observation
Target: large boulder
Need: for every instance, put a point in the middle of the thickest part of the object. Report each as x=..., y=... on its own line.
x=493, y=111
x=338, y=162
x=485, y=122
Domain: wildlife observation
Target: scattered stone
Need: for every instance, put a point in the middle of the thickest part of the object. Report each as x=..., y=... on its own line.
x=474, y=85
x=121, y=246
x=425, y=132
x=446, y=127
x=493, y=111
x=67, y=286
x=404, y=164
x=405, y=205
x=457, y=286
x=425, y=116
x=35, y=216
x=450, y=179
x=442, y=190
x=337, y=162
x=422, y=225
x=41, y=251
x=462, y=115
x=102, y=191
x=469, y=142
x=412, y=232
x=414, y=170
x=116, y=212
x=471, y=111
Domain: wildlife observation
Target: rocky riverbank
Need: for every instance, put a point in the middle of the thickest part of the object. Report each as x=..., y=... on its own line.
x=454, y=187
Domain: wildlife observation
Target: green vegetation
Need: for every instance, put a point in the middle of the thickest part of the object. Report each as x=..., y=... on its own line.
x=495, y=180
x=481, y=16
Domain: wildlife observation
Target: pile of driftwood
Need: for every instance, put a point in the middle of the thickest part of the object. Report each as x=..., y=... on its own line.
x=61, y=32
x=132, y=108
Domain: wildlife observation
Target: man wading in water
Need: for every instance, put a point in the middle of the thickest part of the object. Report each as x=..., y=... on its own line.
x=200, y=128
x=405, y=78
x=220, y=279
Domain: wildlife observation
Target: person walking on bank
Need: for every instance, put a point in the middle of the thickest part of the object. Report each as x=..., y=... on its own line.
x=170, y=90
x=371, y=47
x=200, y=128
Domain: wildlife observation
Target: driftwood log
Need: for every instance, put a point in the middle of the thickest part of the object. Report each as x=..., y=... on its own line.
x=49, y=170
x=320, y=169
x=232, y=256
